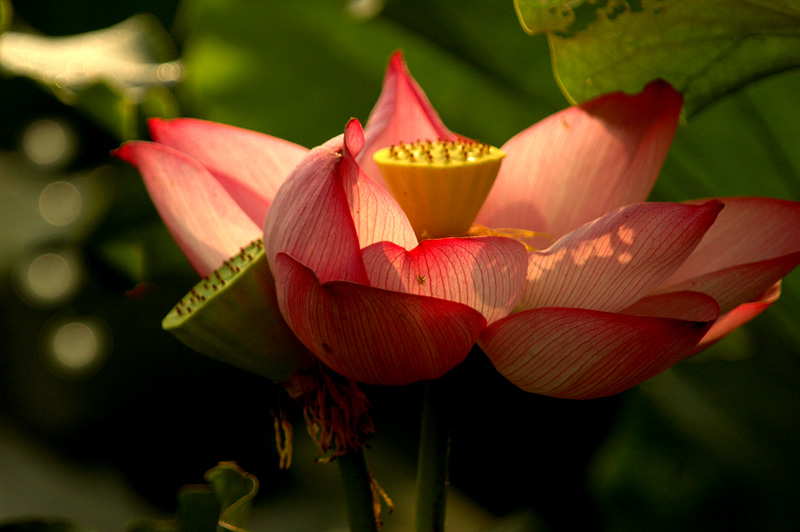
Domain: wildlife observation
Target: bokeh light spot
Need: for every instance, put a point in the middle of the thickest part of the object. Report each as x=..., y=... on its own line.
x=49, y=276
x=49, y=142
x=76, y=347
x=49, y=279
x=60, y=203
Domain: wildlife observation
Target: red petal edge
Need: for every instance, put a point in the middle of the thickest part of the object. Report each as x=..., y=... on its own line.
x=372, y=335
x=737, y=317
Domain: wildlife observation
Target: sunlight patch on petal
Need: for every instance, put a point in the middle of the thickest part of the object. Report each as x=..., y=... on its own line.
x=613, y=261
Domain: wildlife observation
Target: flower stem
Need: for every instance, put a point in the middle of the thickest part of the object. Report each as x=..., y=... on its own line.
x=432, y=463
x=357, y=492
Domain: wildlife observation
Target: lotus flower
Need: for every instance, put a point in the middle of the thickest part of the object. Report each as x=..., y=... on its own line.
x=387, y=288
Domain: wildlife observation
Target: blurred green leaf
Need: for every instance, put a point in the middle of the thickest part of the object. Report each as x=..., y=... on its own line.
x=704, y=48
x=109, y=73
x=38, y=525
x=152, y=526
x=707, y=442
x=199, y=509
x=746, y=144
x=6, y=14
x=300, y=71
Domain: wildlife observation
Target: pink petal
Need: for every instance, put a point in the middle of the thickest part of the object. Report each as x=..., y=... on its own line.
x=207, y=224
x=582, y=162
x=250, y=165
x=739, y=316
x=736, y=285
x=402, y=113
x=612, y=262
x=372, y=335
x=748, y=230
x=376, y=215
x=486, y=274
x=583, y=354
x=692, y=306
x=310, y=220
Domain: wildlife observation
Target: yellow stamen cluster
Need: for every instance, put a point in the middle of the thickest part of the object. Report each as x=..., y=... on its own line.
x=442, y=152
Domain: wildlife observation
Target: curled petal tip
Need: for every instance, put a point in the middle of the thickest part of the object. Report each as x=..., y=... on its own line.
x=397, y=59
x=154, y=123
x=353, y=136
x=715, y=201
x=664, y=89
x=122, y=153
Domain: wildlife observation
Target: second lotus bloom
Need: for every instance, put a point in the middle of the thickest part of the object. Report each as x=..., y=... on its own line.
x=619, y=291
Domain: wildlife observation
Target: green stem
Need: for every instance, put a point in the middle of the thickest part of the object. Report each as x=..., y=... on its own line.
x=357, y=492
x=432, y=463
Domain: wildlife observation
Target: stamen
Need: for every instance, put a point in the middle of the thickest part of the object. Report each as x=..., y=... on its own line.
x=520, y=235
x=379, y=493
x=284, y=431
x=335, y=409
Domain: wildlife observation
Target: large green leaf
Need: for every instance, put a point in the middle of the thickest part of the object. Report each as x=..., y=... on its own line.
x=705, y=48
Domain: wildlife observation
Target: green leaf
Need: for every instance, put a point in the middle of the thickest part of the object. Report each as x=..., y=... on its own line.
x=544, y=15
x=704, y=48
x=235, y=489
x=223, y=504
